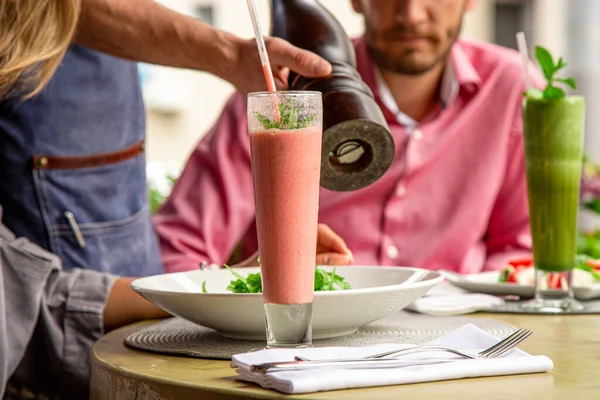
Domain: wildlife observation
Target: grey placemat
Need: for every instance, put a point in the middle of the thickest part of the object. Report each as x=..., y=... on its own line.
x=513, y=307
x=176, y=336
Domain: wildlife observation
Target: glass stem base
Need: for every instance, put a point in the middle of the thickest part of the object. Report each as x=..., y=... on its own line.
x=553, y=293
x=289, y=325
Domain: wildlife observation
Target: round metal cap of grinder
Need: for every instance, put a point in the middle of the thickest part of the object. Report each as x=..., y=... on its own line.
x=355, y=154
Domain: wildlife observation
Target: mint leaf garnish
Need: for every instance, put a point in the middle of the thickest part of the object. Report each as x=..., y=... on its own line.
x=289, y=118
x=549, y=69
x=546, y=62
x=568, y=81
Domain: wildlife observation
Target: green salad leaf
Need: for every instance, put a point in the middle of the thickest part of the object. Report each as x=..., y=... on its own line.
x=252, y=283
x=589, y=245
x=549, y=69
x=329, y=281
x=289, y=118
x=593, y=205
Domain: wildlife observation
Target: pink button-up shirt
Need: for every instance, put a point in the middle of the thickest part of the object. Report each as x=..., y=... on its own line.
x=460, y=205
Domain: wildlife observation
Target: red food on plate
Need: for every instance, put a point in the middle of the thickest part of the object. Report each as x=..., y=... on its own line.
x=595, y=264
x=510, y=274
x=521, y=262
x=521, y=271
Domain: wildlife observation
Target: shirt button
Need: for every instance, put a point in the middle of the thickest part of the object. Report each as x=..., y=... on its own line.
x=418, y=134
x=392, y=252
x=400, y=190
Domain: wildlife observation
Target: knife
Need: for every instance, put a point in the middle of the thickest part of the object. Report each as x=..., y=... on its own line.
x=343, y=363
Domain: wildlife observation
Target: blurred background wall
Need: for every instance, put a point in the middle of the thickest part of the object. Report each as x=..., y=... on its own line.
x=182, y=105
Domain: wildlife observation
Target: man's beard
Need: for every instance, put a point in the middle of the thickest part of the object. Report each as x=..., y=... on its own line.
x=405, y=64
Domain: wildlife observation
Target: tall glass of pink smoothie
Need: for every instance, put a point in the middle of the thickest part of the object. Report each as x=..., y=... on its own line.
x=285, y=142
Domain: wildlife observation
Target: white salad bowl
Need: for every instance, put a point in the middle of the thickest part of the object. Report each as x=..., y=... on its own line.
x=375, y=293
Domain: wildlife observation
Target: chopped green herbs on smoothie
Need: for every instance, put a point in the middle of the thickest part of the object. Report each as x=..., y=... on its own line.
x=289, y=118
x=324, y=281
x=549, y=69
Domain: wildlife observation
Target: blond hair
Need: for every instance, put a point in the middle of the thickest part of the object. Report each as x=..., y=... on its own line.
x=34, y=36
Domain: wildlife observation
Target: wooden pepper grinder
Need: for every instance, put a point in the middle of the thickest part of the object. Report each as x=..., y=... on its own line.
x=357, y=145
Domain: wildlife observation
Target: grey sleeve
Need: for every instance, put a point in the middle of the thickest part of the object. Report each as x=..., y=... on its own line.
x=49, y=319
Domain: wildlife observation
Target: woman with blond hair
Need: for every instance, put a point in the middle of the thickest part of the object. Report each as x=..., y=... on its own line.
x=34, y=36
x=74, y=172
x=49, y=318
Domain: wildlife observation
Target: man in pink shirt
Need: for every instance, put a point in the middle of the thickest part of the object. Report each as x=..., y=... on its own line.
x=455, y=196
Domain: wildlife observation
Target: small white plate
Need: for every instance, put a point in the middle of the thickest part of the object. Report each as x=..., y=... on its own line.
x=376, y=292
x=487, y=282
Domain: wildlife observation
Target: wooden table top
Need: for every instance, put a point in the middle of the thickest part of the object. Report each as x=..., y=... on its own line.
x=572, y=342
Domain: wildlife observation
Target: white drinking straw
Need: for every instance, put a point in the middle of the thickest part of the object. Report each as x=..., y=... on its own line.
x=522, y=45
x=264, y=56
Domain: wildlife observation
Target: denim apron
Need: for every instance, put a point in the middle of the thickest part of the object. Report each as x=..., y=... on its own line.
x=72, y=167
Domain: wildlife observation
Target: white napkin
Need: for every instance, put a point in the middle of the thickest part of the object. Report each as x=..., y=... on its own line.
x=468, y=338
x=446, y=299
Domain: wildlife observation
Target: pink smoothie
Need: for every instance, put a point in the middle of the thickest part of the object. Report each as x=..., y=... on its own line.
x=286, y=166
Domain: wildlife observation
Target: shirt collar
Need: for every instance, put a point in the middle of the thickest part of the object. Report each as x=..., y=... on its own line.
x=459, y=73
x=385, y=95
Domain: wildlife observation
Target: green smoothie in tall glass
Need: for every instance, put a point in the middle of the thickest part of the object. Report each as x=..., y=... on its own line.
x=553, y=130
x=553, y=124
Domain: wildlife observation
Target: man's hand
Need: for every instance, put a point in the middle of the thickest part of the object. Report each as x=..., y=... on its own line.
x=331, y=250
x=247, y=74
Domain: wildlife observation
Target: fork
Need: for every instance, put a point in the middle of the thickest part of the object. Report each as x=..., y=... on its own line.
x=497, y=350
